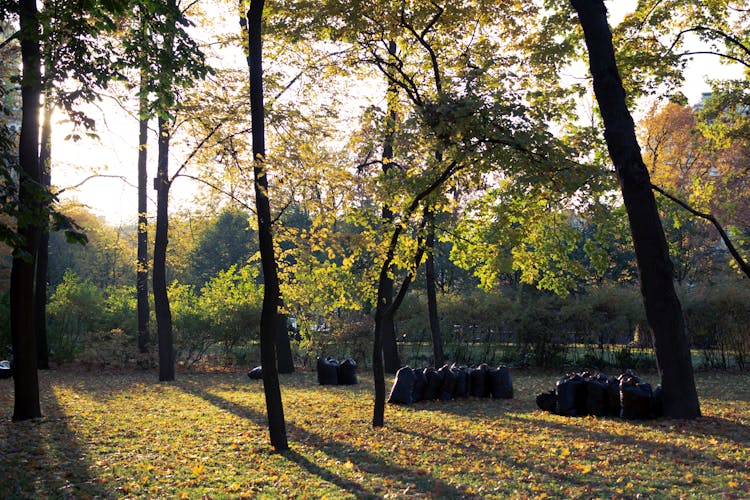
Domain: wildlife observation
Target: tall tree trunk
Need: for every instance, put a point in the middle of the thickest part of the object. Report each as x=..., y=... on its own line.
x=390, y=358
x=25, y=378
x=142, y=258
x=663, y=308
x=378, y=372
x=437, y=339
x=283, y=346
x=42, y=260
x=161, y=300
x=271, y=293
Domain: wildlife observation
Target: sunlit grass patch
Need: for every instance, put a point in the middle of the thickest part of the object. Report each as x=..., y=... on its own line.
x=127, y=435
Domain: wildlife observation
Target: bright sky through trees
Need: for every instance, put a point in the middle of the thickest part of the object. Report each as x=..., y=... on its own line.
x=113, y=155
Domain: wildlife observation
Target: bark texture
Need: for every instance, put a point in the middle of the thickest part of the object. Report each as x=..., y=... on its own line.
x=663, y=309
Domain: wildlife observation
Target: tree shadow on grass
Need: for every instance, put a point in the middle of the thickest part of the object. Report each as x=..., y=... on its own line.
x=650, y=448
x=42, y=458
x=420, y=481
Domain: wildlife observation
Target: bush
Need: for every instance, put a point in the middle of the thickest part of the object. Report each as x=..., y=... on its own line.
x=190, y=326
x=112, y=349
x=75, y=308
x=716, y=319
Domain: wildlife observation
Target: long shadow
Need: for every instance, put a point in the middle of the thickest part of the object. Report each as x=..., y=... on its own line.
x=651, y=448
x=367, y=462
x=42, y=458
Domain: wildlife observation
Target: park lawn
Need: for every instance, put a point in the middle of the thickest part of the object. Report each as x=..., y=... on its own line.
x=125, y=435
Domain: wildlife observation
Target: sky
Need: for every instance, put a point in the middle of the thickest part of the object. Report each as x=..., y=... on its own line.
x=114, y=154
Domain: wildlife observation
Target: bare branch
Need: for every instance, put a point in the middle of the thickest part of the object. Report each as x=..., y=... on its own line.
x=709, y=217
x=727, y=38
x=218, y=189
x=12, y=37
x=195, y=151
x=718, y=54
x=94, y=176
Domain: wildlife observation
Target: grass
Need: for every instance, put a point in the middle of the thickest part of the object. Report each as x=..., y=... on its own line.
x=125, y=435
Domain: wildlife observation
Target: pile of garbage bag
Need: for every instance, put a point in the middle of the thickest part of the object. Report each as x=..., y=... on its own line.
x=450, y=382
x=334, y=372
x=590, y=393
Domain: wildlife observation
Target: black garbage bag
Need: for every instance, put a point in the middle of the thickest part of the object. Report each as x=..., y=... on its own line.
x=571, y=395
x=635, y=398
x=347, y=372
x=478, y=382
x=547, y=401
x=657, y=403
x=462, y=382
x=500, y=382
x=448, y=389
x=403, y=386
x=256, y=373
x=328, y=371
x=434, y=384
x=597, y=395
x=420, y=386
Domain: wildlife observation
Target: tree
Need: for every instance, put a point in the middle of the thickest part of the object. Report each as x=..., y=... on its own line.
x=26, y=384
x=142, y=244
x=179, y=62
x=663, y=308
x=224, y=240
x=271, y=292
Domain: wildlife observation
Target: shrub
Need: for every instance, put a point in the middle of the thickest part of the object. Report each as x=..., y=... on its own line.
x=111, y=349
x=74, y=309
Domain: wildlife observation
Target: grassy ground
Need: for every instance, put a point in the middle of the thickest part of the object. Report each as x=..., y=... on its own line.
x=126, y=435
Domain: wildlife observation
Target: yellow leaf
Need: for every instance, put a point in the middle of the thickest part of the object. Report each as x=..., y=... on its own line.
x=198, y=470
x=733, y=484
x=689, y=477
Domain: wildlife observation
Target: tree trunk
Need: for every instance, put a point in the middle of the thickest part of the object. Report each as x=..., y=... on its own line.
x=161, y=300
x=42, y=259
x=25, y=378
x=378, y=373
x=142, y=245
x=391, y=361
x=271, y=293
x=437, y=339
x=283, y=346
x=663, y=308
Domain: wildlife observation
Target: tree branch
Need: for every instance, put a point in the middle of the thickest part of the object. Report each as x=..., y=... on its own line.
x=12, y=37
x=218, y=189
x=424, y=43
x=94, y=176
x=727, y=38
x=718, y=54
x=195, y=151
x=709, y=217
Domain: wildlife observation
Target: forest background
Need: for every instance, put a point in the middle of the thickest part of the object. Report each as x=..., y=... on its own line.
x=532, y=257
